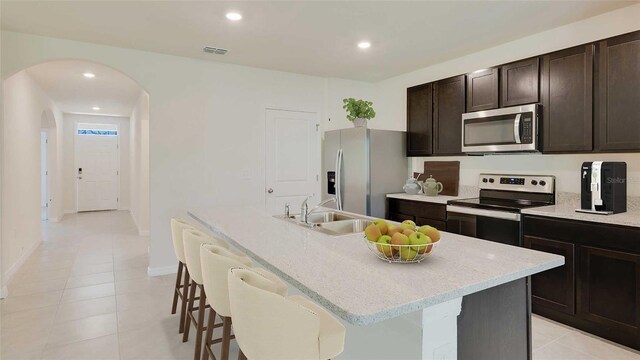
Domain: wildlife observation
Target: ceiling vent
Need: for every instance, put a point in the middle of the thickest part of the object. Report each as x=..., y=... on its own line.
x=213, y=50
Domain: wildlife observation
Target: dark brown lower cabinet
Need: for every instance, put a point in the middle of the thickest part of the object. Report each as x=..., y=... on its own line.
x=598, y=288
x=555, y=288
x=420, y=212
x=610, y=289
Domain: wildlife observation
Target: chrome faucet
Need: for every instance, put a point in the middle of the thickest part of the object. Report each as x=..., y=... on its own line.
x=305, y=212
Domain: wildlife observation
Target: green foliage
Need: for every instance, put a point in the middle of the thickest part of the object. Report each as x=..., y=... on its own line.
x=358, y=109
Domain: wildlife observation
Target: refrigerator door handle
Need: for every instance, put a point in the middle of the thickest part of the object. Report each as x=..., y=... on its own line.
x=339, y=179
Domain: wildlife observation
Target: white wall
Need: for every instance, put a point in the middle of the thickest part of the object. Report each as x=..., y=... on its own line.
x=206, y=124
x=338, y=89
x=70, y=122
x=24, y=104
x=139, y=163
x=390, y=99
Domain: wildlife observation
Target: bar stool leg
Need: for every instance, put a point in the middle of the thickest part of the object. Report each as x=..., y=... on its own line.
x=209, y=336
x=226, y=338
x=185, y=300
x=177, y=290
x=200, y=323
x=241, y=355
x=187, y=320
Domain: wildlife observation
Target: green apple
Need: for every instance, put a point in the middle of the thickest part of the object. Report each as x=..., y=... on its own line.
x=372, y=232
x=408, y=253
x=431, y=232
x=384, y=245
x=408, y=224
x=399, y=239
x=392, y=229
x=419, y=242
x=382, y=225
x=408, y=232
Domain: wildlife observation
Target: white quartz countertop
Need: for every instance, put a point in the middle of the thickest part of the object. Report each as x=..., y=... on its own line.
x=566, y=209
x=464, y=192
x=438, y=199
x=342, y=274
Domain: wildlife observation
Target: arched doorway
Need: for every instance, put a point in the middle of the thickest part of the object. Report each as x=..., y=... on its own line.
x=42, y=106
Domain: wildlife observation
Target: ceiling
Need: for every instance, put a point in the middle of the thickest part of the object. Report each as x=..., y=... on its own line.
x=113, y=92
x=310, y=37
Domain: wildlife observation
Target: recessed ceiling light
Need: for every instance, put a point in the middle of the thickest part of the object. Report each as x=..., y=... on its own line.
x=234, y=16
x=364, y=45
x=89, y=75
x=96, y=108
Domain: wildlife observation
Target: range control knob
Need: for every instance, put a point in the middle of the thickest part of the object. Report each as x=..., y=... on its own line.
x=534, y=182
x=484, y=180
x=491, y=180
x=543, y=183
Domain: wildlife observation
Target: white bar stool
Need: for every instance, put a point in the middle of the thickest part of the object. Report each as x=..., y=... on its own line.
x=216, y=263
x=193, y=239
x=182, y=282
x=269, y=326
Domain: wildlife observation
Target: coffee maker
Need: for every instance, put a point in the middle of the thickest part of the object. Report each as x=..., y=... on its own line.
x=603, y=187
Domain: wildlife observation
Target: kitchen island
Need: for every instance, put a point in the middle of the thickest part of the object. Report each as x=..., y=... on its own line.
x=469, y=297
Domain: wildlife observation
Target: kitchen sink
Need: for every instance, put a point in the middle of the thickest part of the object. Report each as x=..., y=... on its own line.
x=325, y=217
x=330, y=222
x=343, y=227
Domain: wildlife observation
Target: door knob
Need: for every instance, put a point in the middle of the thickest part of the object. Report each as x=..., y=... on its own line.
x=270, y=190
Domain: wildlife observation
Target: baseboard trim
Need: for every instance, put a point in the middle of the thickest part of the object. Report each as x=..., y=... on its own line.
x=8, y=276
x=70, y=212
x=162, y=270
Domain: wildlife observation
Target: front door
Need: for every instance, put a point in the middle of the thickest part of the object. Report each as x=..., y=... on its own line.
x=97, y=167
x=292, y=159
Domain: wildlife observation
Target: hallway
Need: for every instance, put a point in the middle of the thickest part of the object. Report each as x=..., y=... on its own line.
x=85, y=294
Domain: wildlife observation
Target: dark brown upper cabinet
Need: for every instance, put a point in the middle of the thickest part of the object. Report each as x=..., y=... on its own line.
x=519, y=82
x=567, y=100
x=482, y=90
x=618, y=90
x=448, y=107
x=420, y=120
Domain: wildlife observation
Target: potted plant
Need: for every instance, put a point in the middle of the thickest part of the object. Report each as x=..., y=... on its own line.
x=358, y=111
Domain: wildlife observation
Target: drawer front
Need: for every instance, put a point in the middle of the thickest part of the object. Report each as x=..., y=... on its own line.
x=418, y=209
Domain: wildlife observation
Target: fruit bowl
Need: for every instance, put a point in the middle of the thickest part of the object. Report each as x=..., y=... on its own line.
x=392, y=253
x=401, y=243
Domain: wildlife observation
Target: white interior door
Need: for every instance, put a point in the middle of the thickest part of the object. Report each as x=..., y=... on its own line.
x=292, y=159
x=97, y=167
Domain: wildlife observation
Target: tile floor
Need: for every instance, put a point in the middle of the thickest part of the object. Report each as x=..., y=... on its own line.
x=85, y=294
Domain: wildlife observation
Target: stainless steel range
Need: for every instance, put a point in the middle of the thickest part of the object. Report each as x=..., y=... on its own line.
x=495, y=214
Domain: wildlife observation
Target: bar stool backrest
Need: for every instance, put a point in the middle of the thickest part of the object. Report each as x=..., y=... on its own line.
x=193, y=239
x=268, y=325
x=177, y=227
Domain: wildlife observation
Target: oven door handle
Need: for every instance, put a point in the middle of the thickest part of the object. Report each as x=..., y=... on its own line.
x=483, y=212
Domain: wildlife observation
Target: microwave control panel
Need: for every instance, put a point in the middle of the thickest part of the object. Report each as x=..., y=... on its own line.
x=527, y=128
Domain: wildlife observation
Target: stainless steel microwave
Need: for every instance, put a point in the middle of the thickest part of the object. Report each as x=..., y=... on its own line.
x=513, y=129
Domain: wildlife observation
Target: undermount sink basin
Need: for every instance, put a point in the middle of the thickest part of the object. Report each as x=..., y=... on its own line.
x=344, y=226
x=325, y=217
x=331, y=222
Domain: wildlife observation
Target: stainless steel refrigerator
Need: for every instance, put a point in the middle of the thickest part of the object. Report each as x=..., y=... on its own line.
x=361, y=166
